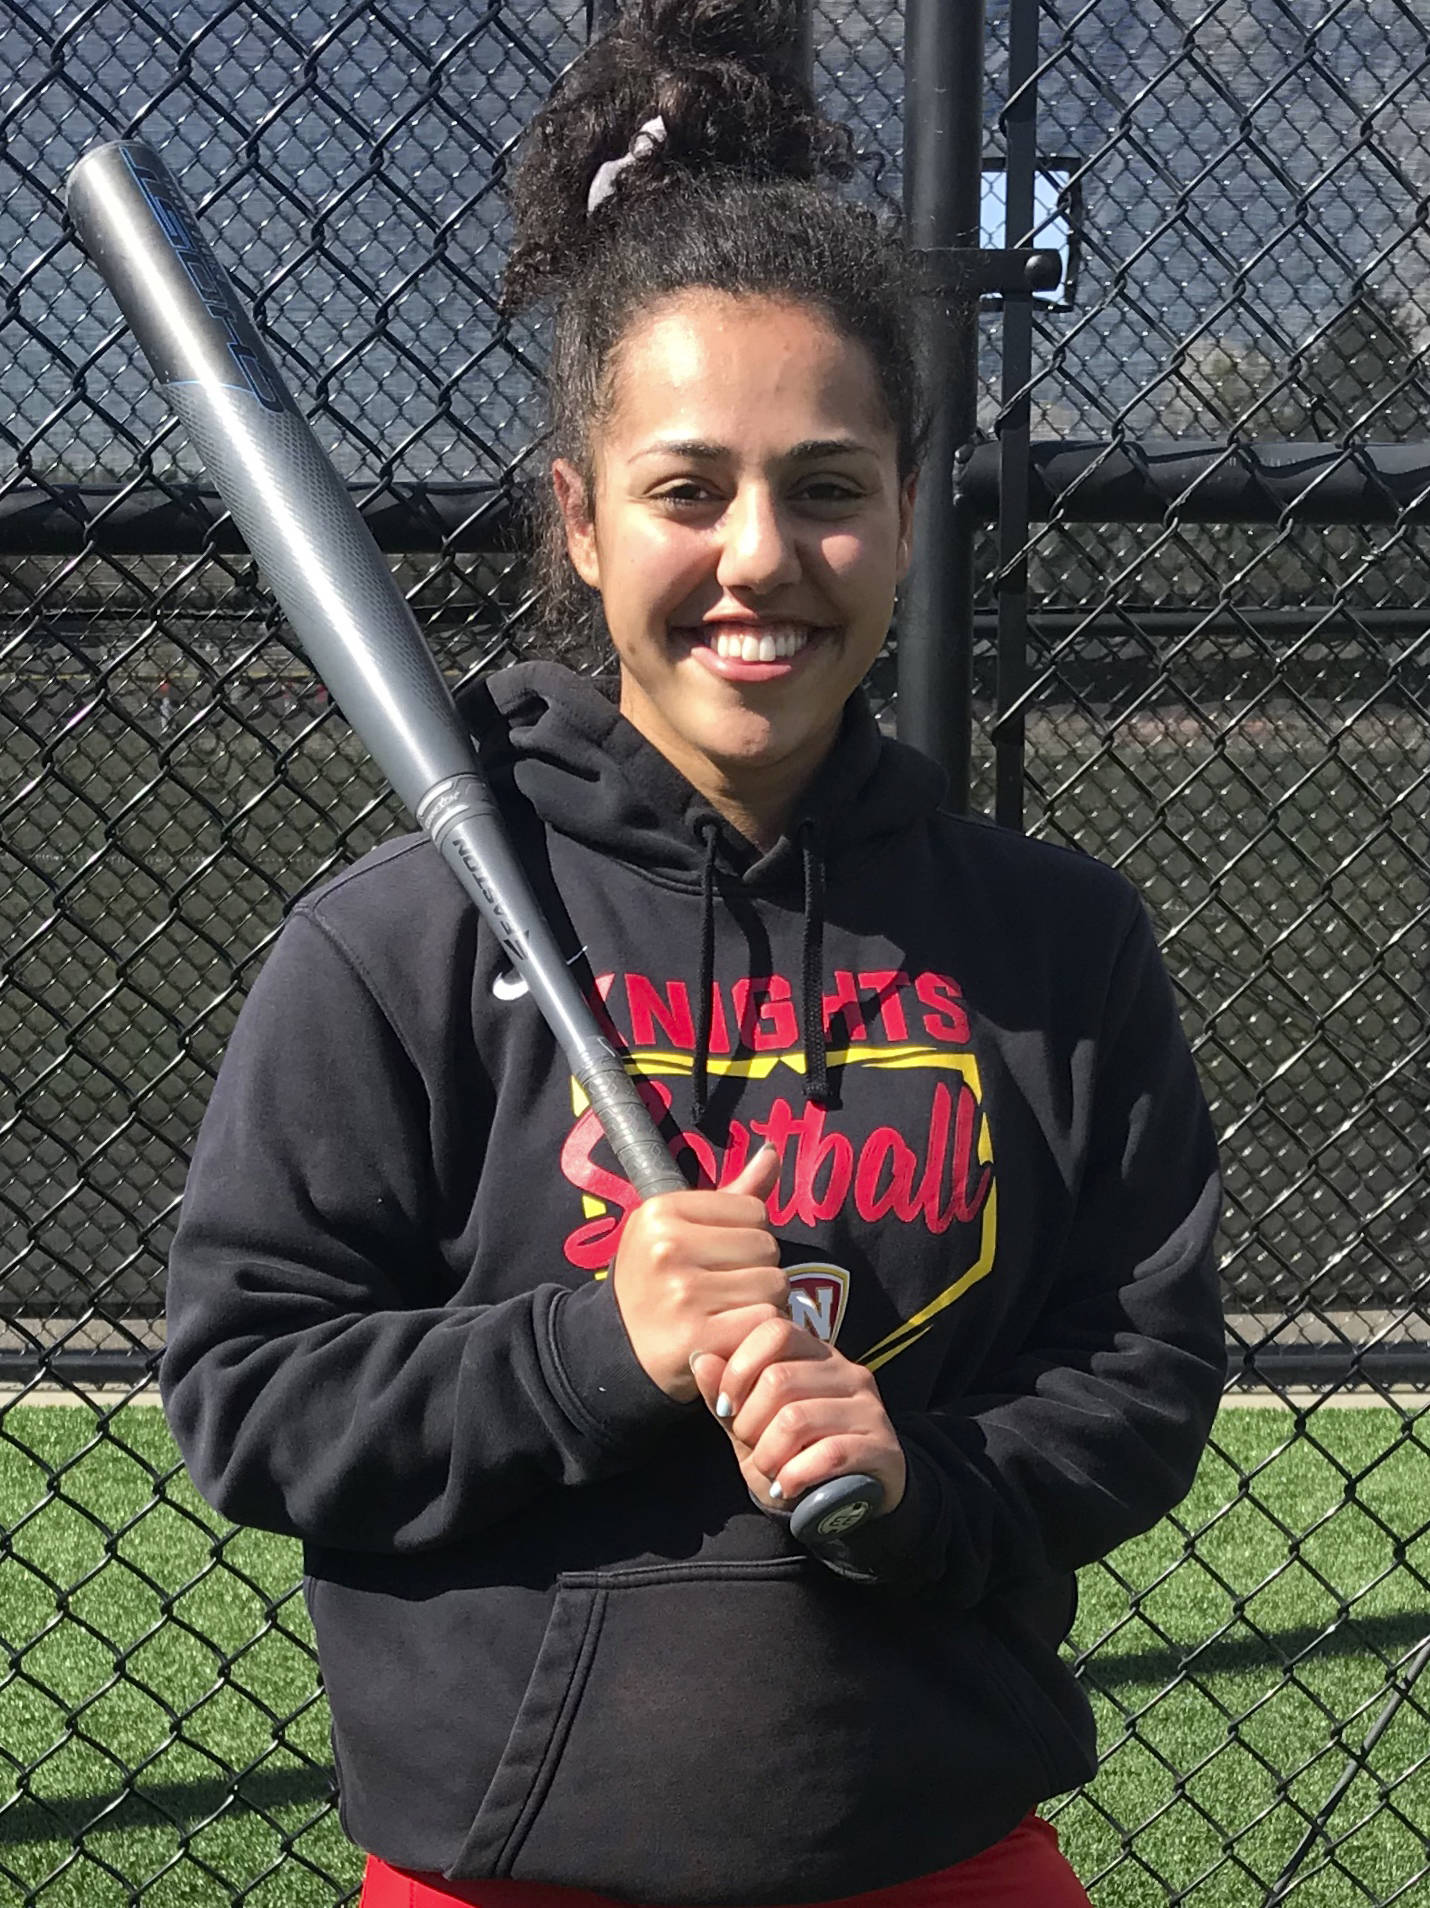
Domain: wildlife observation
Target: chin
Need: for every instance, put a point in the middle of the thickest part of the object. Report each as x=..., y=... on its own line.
x=751, y=746
x=738, y=735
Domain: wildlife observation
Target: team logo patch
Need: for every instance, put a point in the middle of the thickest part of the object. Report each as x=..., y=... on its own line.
x=818, y=1295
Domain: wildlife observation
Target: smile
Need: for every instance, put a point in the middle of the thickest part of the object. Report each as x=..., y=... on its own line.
x=772, y=642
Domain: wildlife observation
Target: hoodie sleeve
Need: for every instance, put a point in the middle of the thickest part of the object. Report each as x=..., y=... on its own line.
x=1094, y=1429
x=316, y=1379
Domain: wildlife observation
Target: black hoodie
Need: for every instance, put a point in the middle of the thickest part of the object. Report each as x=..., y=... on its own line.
x=560, y=1640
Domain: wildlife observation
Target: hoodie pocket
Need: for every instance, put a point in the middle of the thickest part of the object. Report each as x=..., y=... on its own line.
x=755, y=1731
x=543, y=1722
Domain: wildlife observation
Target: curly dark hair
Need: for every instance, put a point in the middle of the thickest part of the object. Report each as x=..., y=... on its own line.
x=738, y=197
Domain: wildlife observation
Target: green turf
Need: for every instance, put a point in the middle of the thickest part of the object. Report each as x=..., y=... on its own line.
x=1232, y=1646
x=153, y=1653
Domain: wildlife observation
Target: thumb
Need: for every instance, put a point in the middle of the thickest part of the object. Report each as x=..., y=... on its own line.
x=759, y=1174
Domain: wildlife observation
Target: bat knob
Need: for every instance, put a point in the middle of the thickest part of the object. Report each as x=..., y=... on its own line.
x=834, y=1509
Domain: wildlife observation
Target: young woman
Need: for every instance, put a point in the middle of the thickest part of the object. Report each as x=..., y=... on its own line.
x=952, y=1187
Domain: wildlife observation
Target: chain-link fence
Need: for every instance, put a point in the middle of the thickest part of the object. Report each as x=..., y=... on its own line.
x=1235, y=715
x=1238, y=715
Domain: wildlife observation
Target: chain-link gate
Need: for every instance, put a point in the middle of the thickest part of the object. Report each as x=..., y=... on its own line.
x=1227, y=700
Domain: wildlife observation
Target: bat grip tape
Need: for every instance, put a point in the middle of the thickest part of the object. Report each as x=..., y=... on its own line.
x=627, y=1123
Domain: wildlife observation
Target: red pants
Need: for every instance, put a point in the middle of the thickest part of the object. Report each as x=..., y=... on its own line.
x=1026, y=1867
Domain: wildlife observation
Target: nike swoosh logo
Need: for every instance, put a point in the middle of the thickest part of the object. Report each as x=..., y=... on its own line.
x=509, y=985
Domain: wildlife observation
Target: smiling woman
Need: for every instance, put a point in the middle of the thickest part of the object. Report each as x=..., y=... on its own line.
x=952, y=1187
x=745, y=522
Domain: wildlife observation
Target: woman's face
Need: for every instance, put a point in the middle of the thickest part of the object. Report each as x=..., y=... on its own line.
x=747, y=533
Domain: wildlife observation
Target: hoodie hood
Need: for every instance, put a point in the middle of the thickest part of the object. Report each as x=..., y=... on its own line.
x=564, y=746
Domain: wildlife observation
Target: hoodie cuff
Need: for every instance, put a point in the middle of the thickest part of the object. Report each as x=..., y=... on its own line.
x=607, y=1389
x=899, y=1551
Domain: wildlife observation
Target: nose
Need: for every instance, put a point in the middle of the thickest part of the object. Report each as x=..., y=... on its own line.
x=758, y=552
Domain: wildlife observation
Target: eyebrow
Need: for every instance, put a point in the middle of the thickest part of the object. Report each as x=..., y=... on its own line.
x=697, y=450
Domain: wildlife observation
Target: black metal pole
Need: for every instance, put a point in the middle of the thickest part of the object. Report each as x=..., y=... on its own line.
x=600, y=14
x=943, y=176
x=1020, y=132
x=804, y=38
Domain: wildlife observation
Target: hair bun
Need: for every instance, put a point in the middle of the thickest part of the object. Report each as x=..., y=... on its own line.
x=752, y=32
x=719, y=73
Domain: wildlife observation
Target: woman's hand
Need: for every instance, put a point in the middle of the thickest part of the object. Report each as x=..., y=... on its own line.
x=697, y=1271
x=799, y=1413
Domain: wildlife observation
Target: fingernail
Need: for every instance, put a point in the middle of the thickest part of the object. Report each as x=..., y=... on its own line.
x=723, y=1406
x=776, y=1493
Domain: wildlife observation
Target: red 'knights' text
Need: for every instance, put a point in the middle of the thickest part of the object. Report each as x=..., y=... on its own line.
x=760, y=1015
x=937, y=1181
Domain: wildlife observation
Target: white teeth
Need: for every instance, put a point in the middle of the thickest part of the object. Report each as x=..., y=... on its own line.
x=770, y=645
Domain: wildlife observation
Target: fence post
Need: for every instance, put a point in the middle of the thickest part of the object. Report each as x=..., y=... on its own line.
x=804, y=39
x=943, y=178
x=1020, y=133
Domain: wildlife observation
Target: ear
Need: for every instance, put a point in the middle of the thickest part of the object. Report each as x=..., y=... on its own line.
x=579, y=518
x=908, y=496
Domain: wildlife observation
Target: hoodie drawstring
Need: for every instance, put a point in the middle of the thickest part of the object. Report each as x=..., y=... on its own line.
x=709, y=831
x=816, y=1054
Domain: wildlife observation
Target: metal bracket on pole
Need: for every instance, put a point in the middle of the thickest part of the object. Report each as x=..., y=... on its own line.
x=966, y=272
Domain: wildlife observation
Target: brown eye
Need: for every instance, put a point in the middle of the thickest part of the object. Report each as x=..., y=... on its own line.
x=686, y=495
x=829, y=491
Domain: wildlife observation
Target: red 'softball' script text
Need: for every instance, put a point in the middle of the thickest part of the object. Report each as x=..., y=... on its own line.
x=937, y=1181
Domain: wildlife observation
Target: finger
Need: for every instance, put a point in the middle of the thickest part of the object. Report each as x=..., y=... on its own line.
x=718, y=1294
x=758, y=1176
x=723, y=1331
x=838, y=1455
x=673, y=1245
x=709, y=1371
x=779, y=1341
x=671, y=1210
x=779, y=1385
x=797, y=1426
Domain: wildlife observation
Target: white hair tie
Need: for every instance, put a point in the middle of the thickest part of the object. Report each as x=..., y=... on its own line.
x=648, y=140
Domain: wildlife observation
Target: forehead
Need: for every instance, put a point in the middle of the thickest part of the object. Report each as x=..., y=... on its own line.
x=740, y=371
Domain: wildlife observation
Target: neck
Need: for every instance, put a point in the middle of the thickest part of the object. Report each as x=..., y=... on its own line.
x=756, y=797
x=761, y=824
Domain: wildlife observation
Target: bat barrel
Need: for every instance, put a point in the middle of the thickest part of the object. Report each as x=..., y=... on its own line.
x=295, y=514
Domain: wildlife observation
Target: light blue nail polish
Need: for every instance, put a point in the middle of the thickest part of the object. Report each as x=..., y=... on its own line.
x=776, y=1493
x=723, y=1406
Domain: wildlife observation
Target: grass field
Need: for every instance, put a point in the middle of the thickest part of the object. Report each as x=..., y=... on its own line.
x=162, y=1739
